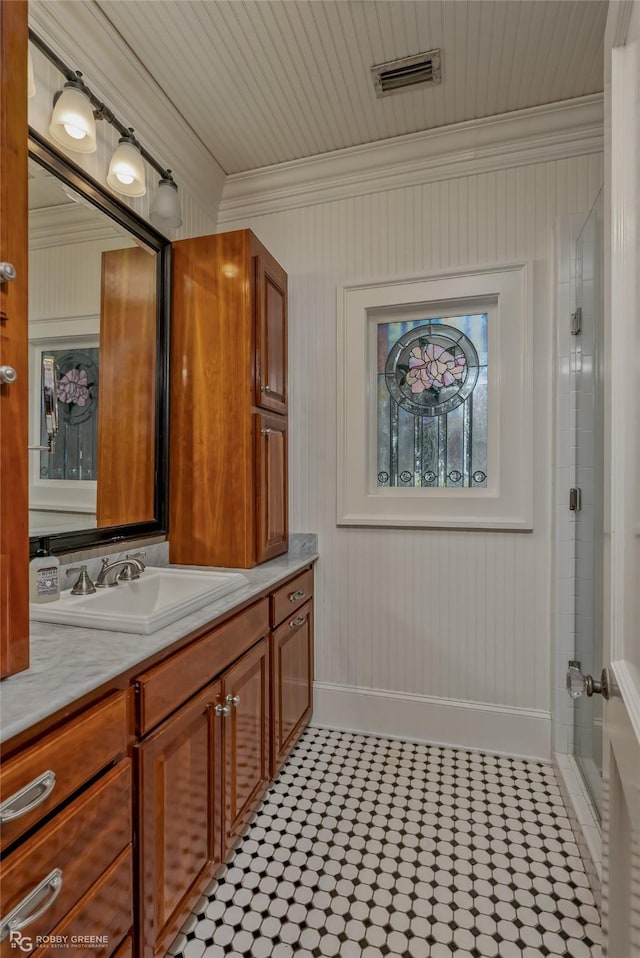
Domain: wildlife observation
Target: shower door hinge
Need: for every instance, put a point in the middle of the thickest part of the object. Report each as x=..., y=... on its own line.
x=576, y=321
x=575, y=499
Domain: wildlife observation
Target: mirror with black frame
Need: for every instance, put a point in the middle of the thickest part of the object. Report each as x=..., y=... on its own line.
x=98, y=307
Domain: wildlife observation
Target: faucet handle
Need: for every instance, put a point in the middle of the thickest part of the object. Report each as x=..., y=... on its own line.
x=83, y=585
x=133, y=567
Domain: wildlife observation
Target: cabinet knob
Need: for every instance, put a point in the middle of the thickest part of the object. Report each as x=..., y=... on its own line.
x=266, y=431
x=222, y=710
x=232, y=699
x=8, y=374
x=299, y=619
x=7, y=272
x=267, y=389
x=296, y=596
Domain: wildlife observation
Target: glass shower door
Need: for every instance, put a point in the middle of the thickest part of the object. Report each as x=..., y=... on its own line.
x=589, y=471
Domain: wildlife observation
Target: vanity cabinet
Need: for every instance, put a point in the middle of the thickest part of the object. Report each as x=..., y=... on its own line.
x=228, y=483
x=66, y=827
x=178, y=820
x=291, y=664
x=14, y=517
x=203, y=770
x=116, y=818
x=246, y=739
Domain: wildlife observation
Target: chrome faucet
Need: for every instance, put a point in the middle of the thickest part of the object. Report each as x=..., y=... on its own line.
x=129, y=568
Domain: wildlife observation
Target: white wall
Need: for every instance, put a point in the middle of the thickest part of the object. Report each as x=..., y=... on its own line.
x=451, y=615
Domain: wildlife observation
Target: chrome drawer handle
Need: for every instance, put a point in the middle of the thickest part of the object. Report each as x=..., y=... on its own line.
x=232, y=699
x=13, y=807
x=296, y=596
x=222, y=710
x=299, y=619
x=266, y=431
x=22, y=915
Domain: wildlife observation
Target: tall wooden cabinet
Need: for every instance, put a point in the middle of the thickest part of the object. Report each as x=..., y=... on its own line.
x=14, y=516
x=228, y=485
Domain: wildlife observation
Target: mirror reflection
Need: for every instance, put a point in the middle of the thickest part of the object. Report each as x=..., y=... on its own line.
x=92, y=307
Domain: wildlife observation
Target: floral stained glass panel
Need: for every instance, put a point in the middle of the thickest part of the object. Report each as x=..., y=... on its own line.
x=75, y=452
x=432, y=391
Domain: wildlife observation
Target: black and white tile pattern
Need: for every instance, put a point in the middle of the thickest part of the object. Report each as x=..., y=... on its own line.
x=367, y=847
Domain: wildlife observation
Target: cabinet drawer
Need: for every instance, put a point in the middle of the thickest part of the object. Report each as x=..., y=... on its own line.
x=81, y=842
x=291, y=596
x=292, y=681
x=165, y=687
x=42, y=775
x=100, y=920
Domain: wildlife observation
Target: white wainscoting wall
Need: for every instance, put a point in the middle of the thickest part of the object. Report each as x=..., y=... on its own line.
x=414, y=626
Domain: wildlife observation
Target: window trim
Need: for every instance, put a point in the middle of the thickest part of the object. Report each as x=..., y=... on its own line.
x=507, y=503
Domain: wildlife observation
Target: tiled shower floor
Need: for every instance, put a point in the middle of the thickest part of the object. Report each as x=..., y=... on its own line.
x=367, y=847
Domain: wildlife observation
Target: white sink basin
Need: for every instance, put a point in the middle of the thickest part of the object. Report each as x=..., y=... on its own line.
x=158, y=598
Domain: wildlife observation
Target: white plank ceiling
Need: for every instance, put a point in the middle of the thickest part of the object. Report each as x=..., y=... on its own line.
x=265, y=81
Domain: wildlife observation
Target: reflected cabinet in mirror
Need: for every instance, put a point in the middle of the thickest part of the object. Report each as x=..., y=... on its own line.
x=98, y=307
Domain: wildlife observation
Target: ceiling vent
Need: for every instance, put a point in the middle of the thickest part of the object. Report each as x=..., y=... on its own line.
x=398, y=75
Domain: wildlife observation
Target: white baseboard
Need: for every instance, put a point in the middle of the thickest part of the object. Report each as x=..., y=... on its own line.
x=419, y=718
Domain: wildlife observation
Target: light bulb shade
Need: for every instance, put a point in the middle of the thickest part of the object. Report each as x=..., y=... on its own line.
x=126, y=169
x=73, y=124
x=31, y=79
x=165, y=209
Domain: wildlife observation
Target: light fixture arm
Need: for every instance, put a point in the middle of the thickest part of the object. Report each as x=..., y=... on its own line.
x=101, y=111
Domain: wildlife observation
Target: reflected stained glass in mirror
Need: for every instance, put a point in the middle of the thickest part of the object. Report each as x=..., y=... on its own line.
x=75, y=452
x=432, y=391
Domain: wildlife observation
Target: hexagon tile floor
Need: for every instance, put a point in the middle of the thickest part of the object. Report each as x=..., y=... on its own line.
x=366, y=847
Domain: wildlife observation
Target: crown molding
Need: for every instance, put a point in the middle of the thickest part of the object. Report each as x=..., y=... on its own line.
x=83, y=36
x=558, y=131
x=68, y=223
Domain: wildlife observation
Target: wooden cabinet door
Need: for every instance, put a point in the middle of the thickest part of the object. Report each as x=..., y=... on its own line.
x=246, y=738
x=14, y=515
x=178, y=773
x=292, y=681
x=271, y=334
x=271, y=487
x=128, y=321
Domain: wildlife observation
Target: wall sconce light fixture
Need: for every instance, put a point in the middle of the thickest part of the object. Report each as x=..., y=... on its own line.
x=73, y=123
x=76, y=108
x=31, y=79
x=165, y=207
x=126, y=169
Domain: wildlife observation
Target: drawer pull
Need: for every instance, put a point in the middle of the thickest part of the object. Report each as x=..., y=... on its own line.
x=23, y=914
x=232, y=699
x=299, y=619
x=22, y=802
x=296, y=596
x=223, y=710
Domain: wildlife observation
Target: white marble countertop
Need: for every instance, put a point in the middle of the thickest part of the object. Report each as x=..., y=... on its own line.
x=68, y=662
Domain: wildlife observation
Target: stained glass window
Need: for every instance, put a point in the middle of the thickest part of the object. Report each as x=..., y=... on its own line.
x=75, y=452
x=432, y=402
